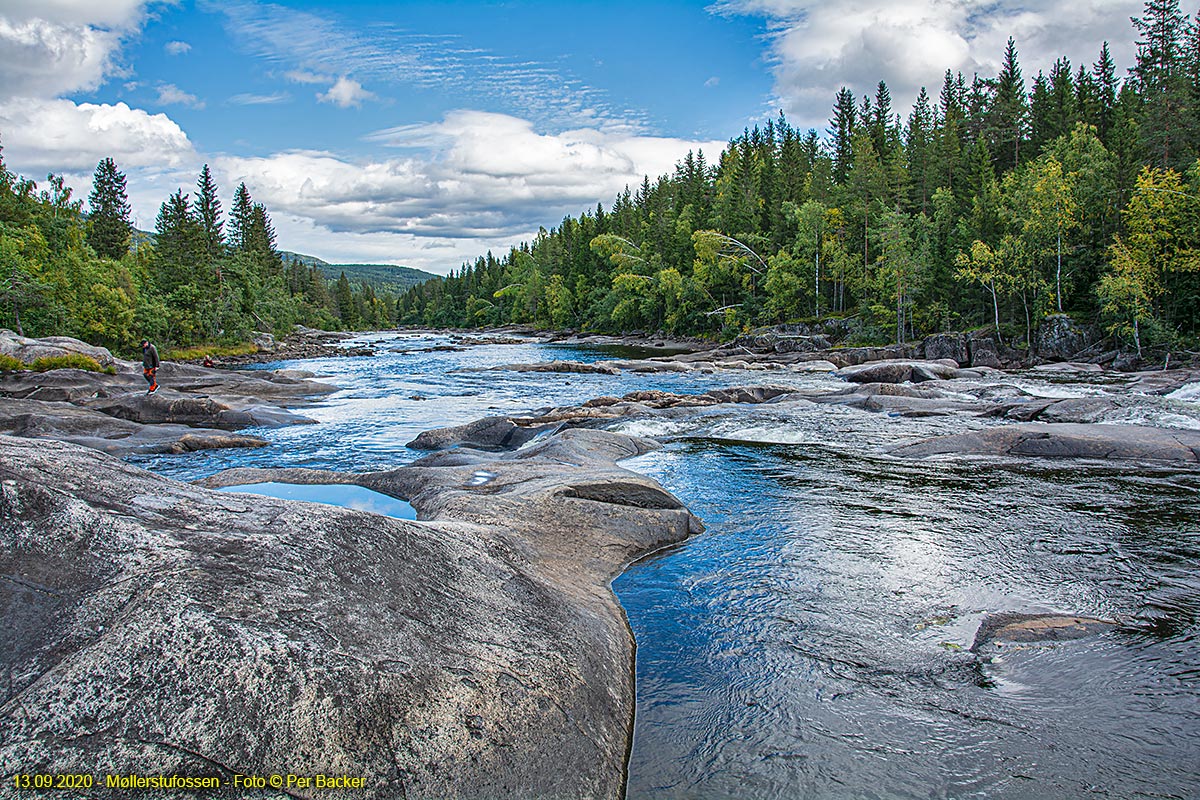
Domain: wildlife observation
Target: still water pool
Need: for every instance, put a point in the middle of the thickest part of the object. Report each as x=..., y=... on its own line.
x=332, y=494
x=814, y=641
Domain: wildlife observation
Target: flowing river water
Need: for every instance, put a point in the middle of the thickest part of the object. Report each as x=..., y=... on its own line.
x=815, y=640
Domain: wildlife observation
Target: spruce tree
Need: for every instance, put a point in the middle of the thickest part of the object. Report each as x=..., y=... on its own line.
x=881, y=125
x=1041, y=122
x=1007, y=115
x=178, y=243
x=917, y=149
x=109, y=230
x=1105, y=73
x=241, y=219
x=343, y=299
x=260, y=238
x=208, y=212
x=1161, y=74
x=841, y=133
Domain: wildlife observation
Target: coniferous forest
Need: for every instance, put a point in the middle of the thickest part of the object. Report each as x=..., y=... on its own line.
x=988, y=205
x=205, y=279
x=991, y=204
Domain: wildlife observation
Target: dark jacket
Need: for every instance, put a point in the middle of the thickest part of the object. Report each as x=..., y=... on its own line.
x=149, y=356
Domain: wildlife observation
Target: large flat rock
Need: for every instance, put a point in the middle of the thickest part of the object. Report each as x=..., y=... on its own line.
x=155, y=627
x=65, y=422
x=1066, y=440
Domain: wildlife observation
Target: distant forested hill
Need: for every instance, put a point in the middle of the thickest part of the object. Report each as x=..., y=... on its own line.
x=383, y=277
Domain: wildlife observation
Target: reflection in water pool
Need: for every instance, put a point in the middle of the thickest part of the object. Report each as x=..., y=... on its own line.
x=813, y=642
x=332, y=494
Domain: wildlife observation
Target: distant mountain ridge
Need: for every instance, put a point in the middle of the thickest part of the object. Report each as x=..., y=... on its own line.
x=386, y=277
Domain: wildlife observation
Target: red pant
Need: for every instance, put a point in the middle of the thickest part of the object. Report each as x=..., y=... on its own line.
x=149, y=373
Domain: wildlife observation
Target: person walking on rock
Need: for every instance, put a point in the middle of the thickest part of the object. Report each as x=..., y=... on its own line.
x=150, y=365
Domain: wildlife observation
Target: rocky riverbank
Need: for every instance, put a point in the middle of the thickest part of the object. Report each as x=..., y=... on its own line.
x=302, y=342
x=196, y=407
x=153, y=627
x=477, y=652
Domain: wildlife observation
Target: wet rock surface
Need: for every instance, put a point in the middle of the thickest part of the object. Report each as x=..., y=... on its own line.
x=509, y=433
x=576, y=367
x=155, y=627
x=1009, y=628
x=1066, y=440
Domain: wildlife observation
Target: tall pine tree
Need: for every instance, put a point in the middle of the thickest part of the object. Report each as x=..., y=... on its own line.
x=109, y=230
x=1007, y=116
x=1161, y=74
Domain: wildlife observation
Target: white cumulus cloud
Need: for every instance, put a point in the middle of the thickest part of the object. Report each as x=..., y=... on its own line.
x=50, y=47
x=471, y=181
x=345, y=93
x=818, y=46
x=41, y=58
x=102, y=13
x=177, y=48
x=63, y=136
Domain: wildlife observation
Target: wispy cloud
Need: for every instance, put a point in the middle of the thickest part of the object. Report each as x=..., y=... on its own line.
x=177, y=48
x=300, y=76
x=247, y=99
x=311, y=46
x=171, y=95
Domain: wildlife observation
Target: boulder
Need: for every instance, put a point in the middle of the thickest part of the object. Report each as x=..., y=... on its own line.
x=1127, y=362
x=265, y=342
x=1058, y=338
x=170, y=406
x=651, y=365
x=918, y=406
x=28, y=350
x=154, y=627
x=114, y=414
x=39, y=419
x=1066, y=440
x=817, y=365
x=493, y=433
x=1080, y=409
x=952, y=346
x=1069, y=366
x=801, y=344
x=899, y=371
x=983, y=353
x=1176, y=383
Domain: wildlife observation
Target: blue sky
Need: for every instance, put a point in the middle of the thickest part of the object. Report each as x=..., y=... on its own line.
x=427, y=133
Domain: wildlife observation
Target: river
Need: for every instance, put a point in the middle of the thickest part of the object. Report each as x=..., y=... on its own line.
x=814, y=641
